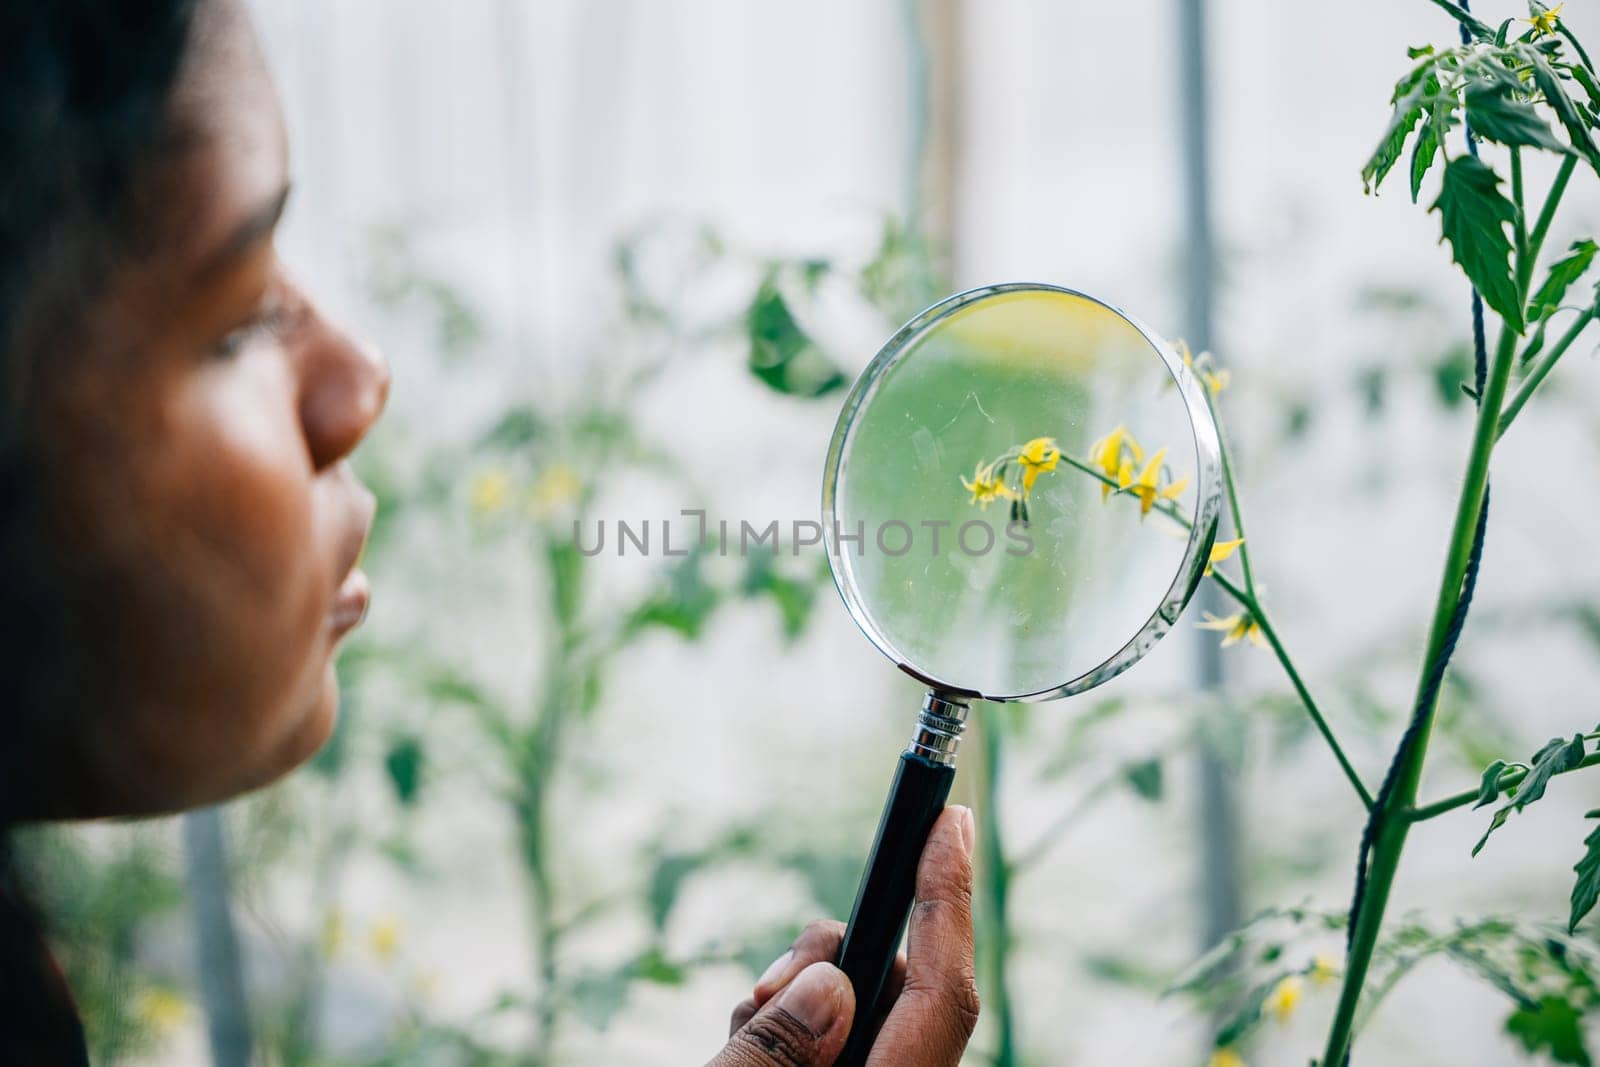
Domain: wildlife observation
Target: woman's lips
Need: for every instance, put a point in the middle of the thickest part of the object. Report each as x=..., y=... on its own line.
x=350, y=603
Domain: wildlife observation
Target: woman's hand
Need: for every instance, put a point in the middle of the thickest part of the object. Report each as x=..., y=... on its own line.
x=800, y=1012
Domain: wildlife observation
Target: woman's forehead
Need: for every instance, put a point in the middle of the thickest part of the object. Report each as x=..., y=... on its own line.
x=231, y=160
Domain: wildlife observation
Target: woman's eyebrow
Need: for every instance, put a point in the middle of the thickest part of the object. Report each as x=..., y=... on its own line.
x=248, y=233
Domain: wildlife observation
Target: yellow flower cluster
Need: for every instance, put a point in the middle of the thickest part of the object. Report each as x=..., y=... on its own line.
x=1214, y=378
x=1118, y=454
x=493, y=491
x=992, y=481
x=1544, y=22
x=1240, y=626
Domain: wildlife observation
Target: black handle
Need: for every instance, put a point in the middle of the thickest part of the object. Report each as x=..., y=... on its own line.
x=883, y=903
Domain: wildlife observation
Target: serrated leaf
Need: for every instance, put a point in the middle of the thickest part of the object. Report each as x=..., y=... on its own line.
x=1586, y=890
x=1563, y=272
x=1407, y=110
x=1474, y=217
x=1585, y=77
x=781, y=353
x=1489, y=789
x=1553, y=1027
x=1496, y=116
x=1555, y=94
x=1463, y=16
x=1425, y=150
x=1557, y=755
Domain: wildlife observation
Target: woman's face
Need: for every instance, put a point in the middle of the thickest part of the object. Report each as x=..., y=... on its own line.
x=206, y=509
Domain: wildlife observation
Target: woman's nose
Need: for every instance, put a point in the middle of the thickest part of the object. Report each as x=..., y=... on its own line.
x=344, y=385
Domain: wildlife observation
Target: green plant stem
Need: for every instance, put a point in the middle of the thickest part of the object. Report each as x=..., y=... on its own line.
x=1233, y=495
x=1253, y=606
x=995, y=873
x=1509, y=779
x=1541, y=370
x=1250, y=603
x=1547, y=214
x=1391, y=826
x=1519, y=226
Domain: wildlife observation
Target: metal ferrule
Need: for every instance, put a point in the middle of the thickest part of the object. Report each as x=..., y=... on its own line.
x=939, y=727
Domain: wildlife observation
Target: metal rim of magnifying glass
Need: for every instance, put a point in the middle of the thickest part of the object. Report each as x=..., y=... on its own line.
x=1208, y=496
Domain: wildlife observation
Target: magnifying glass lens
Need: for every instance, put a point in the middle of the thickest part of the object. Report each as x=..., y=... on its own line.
x=1021, y=475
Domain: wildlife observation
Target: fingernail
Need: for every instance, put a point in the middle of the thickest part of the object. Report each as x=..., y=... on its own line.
x=813, y=998
x=969, y=831
x=776, y=970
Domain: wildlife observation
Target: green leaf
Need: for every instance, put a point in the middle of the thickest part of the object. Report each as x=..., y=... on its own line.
x=1555, y=94
x=1489, y=790
x=1494, y=115
x=683, y=605
x=1249, y=1012
x=1410, y=93
x=1554, y=1027
x=566, y=580
x=1461, y=15
x=519, y=426
x=1563, y=272
x=1474, y=216
x=1145, y=778
x=781, y=353
x=404, y=766
x=1557, y=755
x=1426, y=148
x=1587, y=888
x=1585, y=77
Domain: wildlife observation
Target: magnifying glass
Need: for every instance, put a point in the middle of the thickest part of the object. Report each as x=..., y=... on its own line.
x=1020, y=498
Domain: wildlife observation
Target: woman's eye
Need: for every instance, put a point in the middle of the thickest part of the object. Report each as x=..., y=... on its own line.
x=269, y=322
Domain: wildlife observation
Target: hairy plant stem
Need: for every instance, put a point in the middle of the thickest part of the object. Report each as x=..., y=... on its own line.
x=1509, y=779
x=1237, y=513
x=1246, y=599
x=1392, y=825
x=1253, y=606
x=1541, y=228
x=1541, y=370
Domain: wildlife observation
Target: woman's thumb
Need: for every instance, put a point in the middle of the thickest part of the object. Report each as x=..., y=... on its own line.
x=804, y=1026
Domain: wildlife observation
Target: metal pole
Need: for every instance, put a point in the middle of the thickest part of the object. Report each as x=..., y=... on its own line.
x=1220, y=890
x=216, y=942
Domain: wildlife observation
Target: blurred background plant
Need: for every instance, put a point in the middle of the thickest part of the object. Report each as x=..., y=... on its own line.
x=576, y=803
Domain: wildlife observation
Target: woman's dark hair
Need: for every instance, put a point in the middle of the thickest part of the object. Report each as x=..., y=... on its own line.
x=85, y=87
x=84, y=91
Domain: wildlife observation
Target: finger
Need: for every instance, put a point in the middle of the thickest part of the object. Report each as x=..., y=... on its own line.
x=803, y=1026
x=817, y=943
x=930, y=1022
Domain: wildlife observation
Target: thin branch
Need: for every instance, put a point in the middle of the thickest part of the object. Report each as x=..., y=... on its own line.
x=1510, y=778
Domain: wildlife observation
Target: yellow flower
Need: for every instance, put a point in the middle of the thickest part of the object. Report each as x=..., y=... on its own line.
x=1236, y=627
x=1148, y=487
x=1038, y=456
x=1225, y=1057
x=1284, y=996
x=1221, y=550
x=161, y=1010
x=985, y=487
x=489, y=492
x=1215, y=379
x=1115, y=454
x=557, y=486
x=1544, y=22
x=384, y=938
x=333, y=933
x=1324, y=969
